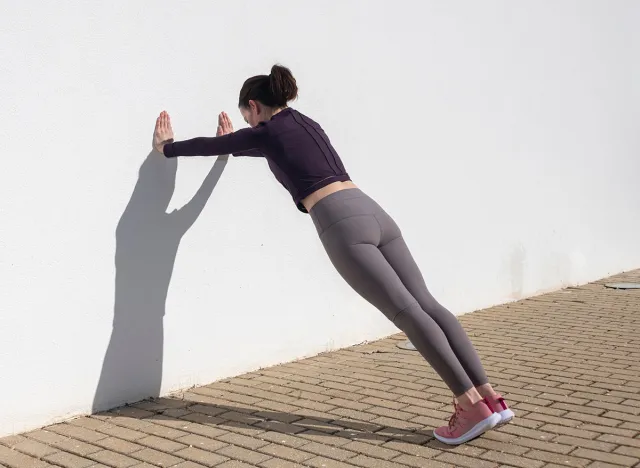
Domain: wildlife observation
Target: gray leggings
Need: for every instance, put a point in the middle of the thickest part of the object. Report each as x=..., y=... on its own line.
x=366, y=247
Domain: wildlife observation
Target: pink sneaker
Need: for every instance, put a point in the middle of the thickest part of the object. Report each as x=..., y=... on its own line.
x=498, y=405
x=465, y=425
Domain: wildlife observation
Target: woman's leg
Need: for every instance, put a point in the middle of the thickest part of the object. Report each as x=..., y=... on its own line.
x=399, y=257
x=352, y=248
x=352, y=245
x=397, y=253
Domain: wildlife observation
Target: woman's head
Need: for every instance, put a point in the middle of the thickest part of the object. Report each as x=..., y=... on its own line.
x=263, y=95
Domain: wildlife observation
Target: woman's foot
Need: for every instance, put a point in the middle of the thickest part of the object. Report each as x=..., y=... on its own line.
x=467, y=424
x=499, y=406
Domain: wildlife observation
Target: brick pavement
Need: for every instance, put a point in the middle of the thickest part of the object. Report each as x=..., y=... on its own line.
x=568, y=362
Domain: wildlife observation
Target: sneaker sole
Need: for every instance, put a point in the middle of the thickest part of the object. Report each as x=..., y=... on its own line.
x=475, y=431
x=505, y=417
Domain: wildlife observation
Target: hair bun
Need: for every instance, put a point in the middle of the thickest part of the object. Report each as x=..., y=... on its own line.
x=283, y=85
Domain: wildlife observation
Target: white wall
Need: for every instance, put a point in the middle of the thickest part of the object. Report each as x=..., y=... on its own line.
x=502, y=136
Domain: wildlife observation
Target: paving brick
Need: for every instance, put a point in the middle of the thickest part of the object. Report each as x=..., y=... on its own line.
x=586, y=443
x=89, y=423
x=605, y=457
x=155, y=457
x=630, y=451
x=464, y=449
x=10, y=441
x=122, y=433
x=423, y=402
x=416, y=462
x=615, y=407
x=198, y=441
x=290, y=440
x=162, y=444
x=336, y=439
x=43, y=436
x=632, y=426
x=191, y=454
x=575, y=421
x=599, y=464
x=623, y=394
x=578, y=408
x=80, y=433
x=345, y=403
x=573, y=460
x=203, y=430
x=569, y=431
x=526, y=407
x=352, y=414
x=340, y=386
x=114, y=459
x=412, y=449
x=15, y=459
x=629, y=416
x=239, y=453
x=371, y=450
x=163, y=431
x=614, y=439
x=317, y=425
x=184, y=464
x=279, y=463
x=328, y=451
x=380, y=400
x=527, y=433
x=365, y=461
x=66, y=460
x=400, y=435
x=34, y=448
x=574, y=417
x=322, y=462
x=287, y=453
x=304, y=413
x=234, y=464
x=609, y=430
x=553, y=446
x=119, y=445
x=461, y=460
x=511, y=460
x=78, y=447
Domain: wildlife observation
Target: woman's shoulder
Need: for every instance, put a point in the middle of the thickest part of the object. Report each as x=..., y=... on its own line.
x=302, y=118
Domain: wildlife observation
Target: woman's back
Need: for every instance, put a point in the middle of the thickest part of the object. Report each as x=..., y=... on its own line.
x=298, y=151
x=300, y=154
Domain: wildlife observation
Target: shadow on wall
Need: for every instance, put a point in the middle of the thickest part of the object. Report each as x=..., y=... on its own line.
x=147, y=240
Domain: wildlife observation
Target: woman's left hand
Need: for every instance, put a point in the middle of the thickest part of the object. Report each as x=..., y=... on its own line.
x=163, y=132
x=224, y=124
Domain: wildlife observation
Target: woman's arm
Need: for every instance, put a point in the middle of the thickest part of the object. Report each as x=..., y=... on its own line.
x=246, y=141
x=237, y=142
x=253, y=153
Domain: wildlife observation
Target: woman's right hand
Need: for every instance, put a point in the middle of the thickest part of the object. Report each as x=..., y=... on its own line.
x=163, y=132
x=224, y=124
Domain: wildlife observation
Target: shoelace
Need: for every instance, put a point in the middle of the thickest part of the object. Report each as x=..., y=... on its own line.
x=454, y=417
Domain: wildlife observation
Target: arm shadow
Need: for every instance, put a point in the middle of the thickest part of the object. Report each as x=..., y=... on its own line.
x=147, y=241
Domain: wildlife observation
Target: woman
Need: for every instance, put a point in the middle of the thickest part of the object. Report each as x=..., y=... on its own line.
x=363, y=242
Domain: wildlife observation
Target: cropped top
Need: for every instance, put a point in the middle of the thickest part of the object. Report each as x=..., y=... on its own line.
x=296, y=148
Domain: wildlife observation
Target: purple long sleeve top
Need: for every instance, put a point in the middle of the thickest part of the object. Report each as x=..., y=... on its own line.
x=296, y=148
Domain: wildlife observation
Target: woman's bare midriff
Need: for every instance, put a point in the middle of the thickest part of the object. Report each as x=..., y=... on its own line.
x=319, y=194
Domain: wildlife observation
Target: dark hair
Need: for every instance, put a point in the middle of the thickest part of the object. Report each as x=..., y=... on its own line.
x=274, y=90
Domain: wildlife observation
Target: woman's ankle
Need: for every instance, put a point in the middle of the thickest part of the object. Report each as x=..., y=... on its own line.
x=469, y=398
x=485, y=390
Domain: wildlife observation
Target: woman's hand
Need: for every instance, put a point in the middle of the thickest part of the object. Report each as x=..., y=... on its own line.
x=224, y=124
x=163, y=132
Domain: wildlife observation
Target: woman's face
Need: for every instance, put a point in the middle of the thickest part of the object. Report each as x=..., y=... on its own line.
x=254, y=114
